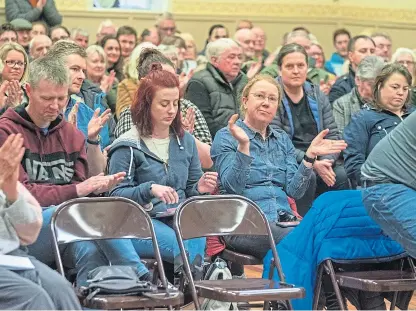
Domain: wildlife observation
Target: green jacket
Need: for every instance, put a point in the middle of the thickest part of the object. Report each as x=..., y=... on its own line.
x=217, y=99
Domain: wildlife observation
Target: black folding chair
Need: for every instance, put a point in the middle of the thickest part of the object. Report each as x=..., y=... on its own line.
x=87, y=219
x=220, y=215
x=372, y=280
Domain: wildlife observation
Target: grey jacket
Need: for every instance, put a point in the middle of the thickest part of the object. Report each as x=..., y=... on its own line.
x=321, y=110
x=345, y=107
x=23, y=9
x=392, y=160
x=217, y=99
x=20, y=222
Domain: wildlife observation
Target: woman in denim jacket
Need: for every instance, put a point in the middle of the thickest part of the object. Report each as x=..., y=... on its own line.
x=375, y=122
x=259, y=162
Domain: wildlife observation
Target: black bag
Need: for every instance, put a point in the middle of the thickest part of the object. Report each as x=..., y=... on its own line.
x=116, y=281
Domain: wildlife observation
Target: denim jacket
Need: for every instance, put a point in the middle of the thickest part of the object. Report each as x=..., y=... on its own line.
x=130, y=154
x=267, y=176
x=365, y=130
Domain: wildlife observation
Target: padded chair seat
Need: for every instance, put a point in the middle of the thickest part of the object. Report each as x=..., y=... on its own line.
x=240, y=258
x=243, y=290
x=104, y=302
x=378, y=281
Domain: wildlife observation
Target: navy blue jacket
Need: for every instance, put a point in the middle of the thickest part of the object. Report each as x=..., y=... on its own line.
x=365, y=130
x=342, y=86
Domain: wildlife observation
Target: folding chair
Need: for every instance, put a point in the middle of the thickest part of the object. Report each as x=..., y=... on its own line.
x=87, y=219
x=372, y=281
x=220, y=215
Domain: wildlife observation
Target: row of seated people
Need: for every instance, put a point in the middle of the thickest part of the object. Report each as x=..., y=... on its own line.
x=162, y=166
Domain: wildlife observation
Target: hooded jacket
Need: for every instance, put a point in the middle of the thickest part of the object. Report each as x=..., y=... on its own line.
x=130, y=154
x=54, y=162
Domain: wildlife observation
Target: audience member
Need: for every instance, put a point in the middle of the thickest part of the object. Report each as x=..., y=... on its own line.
x=127, y=36
x=156, y=147
x=106, y=28
x=83, y=93
x=33, y=11
x=361, y=95
x=190, y=53
x=341, y=37
x=150, y=35
x=358, y=48
x=180, y=46
x=80, y=36
x=369, y=126
x=54, y=167
x=407, y=58
x=7, y=34
x=21, y=221
x=13, y=75
x=216, y=32
x=388, y=176
x=39, y=46
x=166, y=25
x=112, y=50
x=216, y=90
x=304, y=113
x=244, y=24
x=259, y=162
x=383, y=45
x=260, y=52
x=59, y=33
x=127, y=88
x=23, y=28
x=39, y=28
x=96, y=73
x=245, y=38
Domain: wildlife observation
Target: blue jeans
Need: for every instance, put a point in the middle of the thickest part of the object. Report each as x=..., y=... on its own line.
x=78, y=258
x=392, y=207
x=127, y=251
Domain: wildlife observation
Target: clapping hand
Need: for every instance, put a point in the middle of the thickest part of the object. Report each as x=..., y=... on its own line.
x=72, y=116
x=208, y=182
x=321, y=146
x=188, y=122
x=107, y=82
x=97, y=122
x=14, y=94
x=254, y=69
x=99, y=184
x=325, y=171
x=238, y=133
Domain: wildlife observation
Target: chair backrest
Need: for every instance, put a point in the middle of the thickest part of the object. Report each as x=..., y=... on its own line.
x=203, y=216
x=100, y=218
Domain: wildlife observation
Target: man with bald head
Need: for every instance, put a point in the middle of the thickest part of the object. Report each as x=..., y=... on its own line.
x=39, y=46
x=245, y=37
x=260, y=38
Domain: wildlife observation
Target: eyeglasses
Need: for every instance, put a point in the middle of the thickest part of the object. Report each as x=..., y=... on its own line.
x=261, y=97
x=406, y=62
x=15, y=63
x=171, y=29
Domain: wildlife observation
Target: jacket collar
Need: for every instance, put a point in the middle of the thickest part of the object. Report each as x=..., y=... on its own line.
x=219, y=76
x=252, y=133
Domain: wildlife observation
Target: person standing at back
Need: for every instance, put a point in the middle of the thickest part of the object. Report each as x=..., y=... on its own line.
x=33, y=10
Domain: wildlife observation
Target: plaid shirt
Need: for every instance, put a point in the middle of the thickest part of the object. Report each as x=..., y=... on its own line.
x=201, y=131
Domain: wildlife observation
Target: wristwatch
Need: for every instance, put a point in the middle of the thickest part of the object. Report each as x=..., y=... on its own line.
x=309, y=160
x=94, y=142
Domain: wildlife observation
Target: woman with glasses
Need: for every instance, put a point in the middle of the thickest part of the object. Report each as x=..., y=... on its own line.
x=259, y=162
x=407, y=58
x=14, y=72
x=391, y=94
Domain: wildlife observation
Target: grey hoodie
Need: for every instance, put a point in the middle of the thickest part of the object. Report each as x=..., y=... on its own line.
x=20, y=222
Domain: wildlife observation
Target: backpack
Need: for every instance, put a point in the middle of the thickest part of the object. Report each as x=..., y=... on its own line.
x=218, y=270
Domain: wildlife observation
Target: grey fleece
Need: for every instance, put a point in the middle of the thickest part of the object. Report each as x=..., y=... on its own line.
x=393, y=158
x=19, y=213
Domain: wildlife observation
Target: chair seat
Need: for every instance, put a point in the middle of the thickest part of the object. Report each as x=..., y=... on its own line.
x=160, y=299
x=243, y=290
x=240, y=258
x=378, y=281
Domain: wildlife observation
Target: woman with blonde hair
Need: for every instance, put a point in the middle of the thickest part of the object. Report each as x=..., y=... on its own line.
x=96, y=73
x=14, y=66
x=127, y=88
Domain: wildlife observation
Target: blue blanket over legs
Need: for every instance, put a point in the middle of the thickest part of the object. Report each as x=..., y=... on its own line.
x=338, y=227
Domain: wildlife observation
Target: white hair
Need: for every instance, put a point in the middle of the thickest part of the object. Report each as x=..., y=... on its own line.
x=32, y=42
x=106, y=23
x=217, y=47
x=96, y=49
x=401, y=51
x=130, y=69
x=79, y=31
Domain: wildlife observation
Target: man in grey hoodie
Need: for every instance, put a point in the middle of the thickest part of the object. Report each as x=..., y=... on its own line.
x=40, y=288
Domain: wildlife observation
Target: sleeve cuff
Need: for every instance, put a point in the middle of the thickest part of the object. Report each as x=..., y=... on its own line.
x=243, y=161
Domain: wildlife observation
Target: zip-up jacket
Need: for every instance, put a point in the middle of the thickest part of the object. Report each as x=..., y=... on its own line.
x=54, y=162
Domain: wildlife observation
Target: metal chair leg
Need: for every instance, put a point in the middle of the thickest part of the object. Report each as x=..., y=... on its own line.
x=393, y=302
x=318, y=287
x=330, y=267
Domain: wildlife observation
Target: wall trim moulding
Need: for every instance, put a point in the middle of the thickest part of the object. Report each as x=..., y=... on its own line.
x=293, y=10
